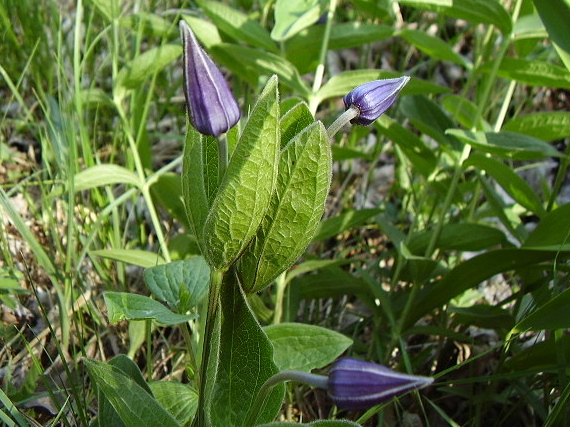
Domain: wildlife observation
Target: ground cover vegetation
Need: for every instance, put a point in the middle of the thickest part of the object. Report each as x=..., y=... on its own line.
x=442, y=251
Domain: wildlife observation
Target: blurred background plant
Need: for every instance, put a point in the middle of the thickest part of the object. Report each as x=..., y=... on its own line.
x=444, y=248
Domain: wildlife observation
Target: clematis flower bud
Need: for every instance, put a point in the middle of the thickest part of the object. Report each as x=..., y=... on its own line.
x=212, y=107
x=372, y=99
x=356, y=384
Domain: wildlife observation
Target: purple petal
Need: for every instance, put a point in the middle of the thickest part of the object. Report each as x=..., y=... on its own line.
x=212, y=107
x=356, y=384
x=373, y=98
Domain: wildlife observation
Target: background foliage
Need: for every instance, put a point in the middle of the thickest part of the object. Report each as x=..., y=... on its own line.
x=443, y=251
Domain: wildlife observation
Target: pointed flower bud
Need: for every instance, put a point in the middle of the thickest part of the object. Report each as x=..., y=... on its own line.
x=372, y=99
x=212, y=107
x=356, y=384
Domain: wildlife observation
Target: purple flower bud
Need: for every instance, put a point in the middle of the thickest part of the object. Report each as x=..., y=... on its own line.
x=372, y=99
x=211, y=105
x=356, y=384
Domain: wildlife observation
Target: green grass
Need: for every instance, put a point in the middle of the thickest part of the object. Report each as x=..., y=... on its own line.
x=436, y=281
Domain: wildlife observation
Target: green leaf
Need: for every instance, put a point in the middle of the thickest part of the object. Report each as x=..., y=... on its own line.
x=238, y=25
x=471, y=273
x=531, y=72
x=182, y=284
x=508, y=145
x=330, y=282
x=475, y=11
x=555, y=14
x=148, y=23
x=464, y=111
x=295, y=210
x=552, y=232
x=206, y=32
x=248, y=184
x=551, y=315
x=199, y=180
x=245, y=363
x=100, y=175
x=509, y=180
x=250, y=64
x=318, y=423
x=539, y=357
x=146, y=65
x=459, y=237
x=178, y=399
x=546, y=126
x=434, y=47
x=127, y=306
x=294, y=121
x=134, y=404
x=292, y=16
x=301, y=347
x=131, y=256
x=345, y=221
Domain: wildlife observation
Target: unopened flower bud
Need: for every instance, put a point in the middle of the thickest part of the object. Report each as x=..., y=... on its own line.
x=372, y=99
x=355, y=384
x=212, y=107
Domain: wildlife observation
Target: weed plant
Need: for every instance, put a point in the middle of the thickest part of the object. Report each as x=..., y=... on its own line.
x=444, y=246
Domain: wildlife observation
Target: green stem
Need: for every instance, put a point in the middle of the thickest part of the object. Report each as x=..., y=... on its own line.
x=281, y=284
x=342, y=120
x=559, y=180
x=320, y=71
x=313, y=380
x=216, y=283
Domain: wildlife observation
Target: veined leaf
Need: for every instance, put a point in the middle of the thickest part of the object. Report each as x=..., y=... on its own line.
x=531, y=72
x=548, y=126
x=182, y=284
x=246, y=189
x=178, y=399
x=295, y=210
x=135, y=406
x=128, y=306
x=303, y=347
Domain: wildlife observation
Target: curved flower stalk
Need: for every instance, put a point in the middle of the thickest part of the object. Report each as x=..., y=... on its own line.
x=365, y=103
x=212, y=107
x=352, y=384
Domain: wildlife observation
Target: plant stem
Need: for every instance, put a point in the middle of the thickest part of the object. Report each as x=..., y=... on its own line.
x=342, y=120
x=223, y=157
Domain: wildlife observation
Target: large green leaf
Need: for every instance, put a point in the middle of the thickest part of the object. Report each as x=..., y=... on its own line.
x=293, y=121
x=248, y=184
x=178, y=399
x=135, y=406
x=475, y=11
x=245, y=363
x=552, y=232
x=301, y=347
x=131, y=256
x=471, y=273
x=509, y=180
x=548, y=126
x=292, y=16
x=182, y=284
x=199, y=179
x=238, y=25
x=127, y=306
x=295, y=210
x=508, y=145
